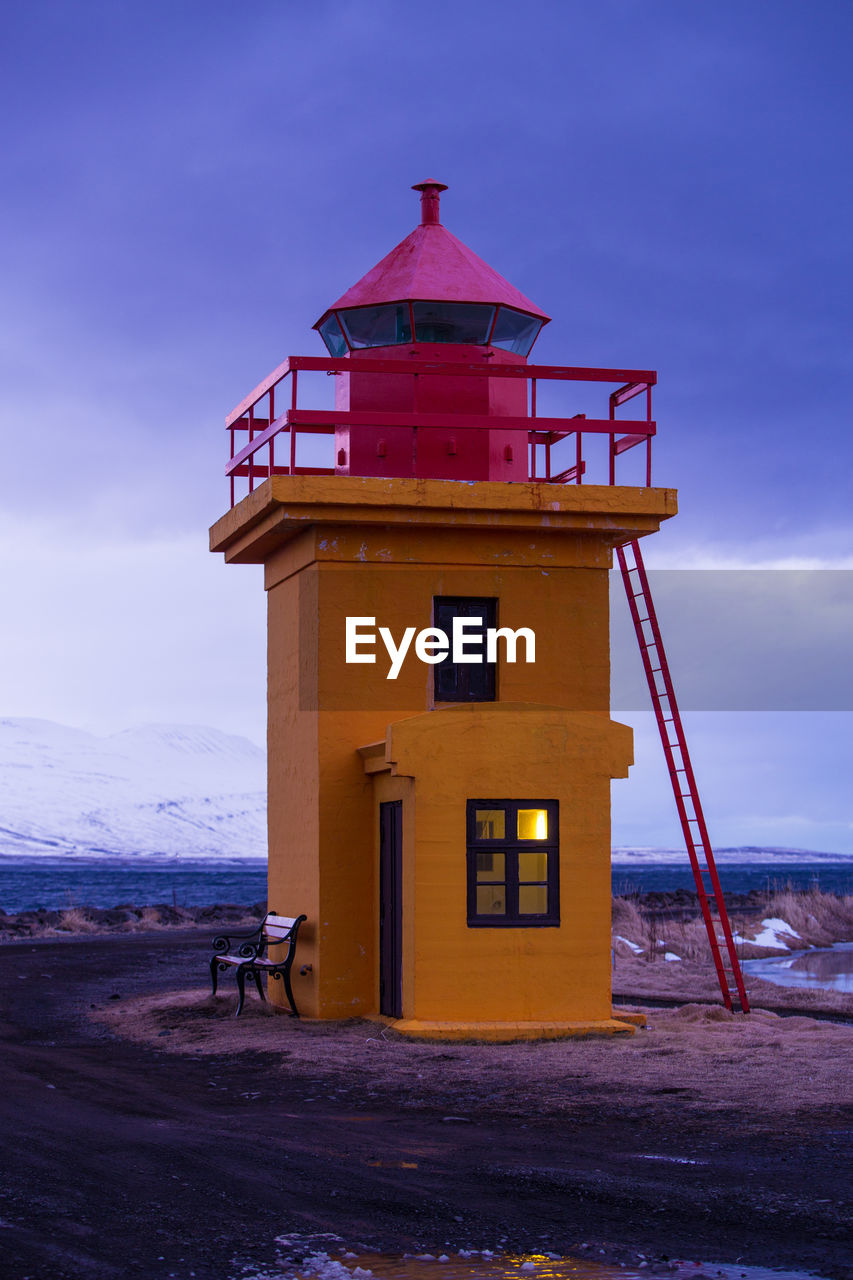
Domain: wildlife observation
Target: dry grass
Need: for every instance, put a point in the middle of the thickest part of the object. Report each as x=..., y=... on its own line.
x=763, y=1064
x=634, y=977
x=85, y=920
x=820, y=919
x=74, y=920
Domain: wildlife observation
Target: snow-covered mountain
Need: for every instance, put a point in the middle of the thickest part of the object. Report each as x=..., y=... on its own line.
x=743, y=854
x=158, y=790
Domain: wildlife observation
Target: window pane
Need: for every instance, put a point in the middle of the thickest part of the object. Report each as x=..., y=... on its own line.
x=490, y=866
x=377, y=326
x=491, y=900
x=465, y=681
x=330, y=332
x=490, y=824
x=532, y=900
x=515, y=331
x=532, y=866
x=533, y=824
x=452, y=322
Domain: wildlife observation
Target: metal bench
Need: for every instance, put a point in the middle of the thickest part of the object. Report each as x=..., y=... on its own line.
x=248, y=953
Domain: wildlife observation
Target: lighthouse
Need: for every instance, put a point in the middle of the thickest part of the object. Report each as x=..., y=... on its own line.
x=439, y=734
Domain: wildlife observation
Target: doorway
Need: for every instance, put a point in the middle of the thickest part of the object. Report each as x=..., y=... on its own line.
x=391, y=909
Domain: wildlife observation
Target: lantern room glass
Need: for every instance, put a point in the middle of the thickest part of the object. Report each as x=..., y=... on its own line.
x=459, y=322
x=463, y=323
x=332, y=335
x=386, y=326
x=514, y=331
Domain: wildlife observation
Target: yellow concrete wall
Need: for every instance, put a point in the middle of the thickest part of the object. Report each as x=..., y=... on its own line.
x=456, y=973
x=346, y=545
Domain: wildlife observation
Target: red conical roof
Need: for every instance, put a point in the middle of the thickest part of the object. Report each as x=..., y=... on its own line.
x=431, y=265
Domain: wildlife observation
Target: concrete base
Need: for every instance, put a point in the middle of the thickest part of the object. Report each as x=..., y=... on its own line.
x=506, y=1032
x=636, y=1019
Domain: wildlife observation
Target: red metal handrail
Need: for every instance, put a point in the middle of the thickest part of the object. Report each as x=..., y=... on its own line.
x=256, y=416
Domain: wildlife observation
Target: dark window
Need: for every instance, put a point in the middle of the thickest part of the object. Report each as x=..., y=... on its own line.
x=473, y=680
x=513, y=863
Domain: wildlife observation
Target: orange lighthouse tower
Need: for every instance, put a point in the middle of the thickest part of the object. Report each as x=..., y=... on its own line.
x=440, y=740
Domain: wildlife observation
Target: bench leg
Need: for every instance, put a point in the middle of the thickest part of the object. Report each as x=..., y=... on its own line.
x=289, y=990
x=259, y=985
x=214, y=972
x=241, y=988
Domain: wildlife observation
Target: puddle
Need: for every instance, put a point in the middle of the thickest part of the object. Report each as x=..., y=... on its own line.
x=325, y=1261
x=823, y=969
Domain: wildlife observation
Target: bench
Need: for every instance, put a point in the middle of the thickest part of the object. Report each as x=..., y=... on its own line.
x=248, y=953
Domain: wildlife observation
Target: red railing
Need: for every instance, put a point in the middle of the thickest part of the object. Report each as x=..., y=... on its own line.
x=257, y=423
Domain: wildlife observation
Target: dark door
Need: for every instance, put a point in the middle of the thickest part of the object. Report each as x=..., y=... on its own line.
x=390, y=909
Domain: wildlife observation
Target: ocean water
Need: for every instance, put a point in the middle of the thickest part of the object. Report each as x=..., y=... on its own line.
x=51, y=883
x=736, y=877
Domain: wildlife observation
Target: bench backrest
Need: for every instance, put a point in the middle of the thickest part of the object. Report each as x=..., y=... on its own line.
x=278, y=928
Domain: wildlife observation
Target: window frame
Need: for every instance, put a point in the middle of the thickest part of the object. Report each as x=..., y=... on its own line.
x=510, y=846
x=462, y=687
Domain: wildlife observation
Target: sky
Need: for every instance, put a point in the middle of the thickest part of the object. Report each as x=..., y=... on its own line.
x=187, y=187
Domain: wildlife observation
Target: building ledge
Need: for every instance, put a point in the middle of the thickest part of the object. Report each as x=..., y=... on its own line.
x=282, y=507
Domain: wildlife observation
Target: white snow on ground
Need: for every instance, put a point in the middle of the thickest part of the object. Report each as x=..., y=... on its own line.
x=158, y=790
x=670, y=955
x=637, y=950
x=774, y=933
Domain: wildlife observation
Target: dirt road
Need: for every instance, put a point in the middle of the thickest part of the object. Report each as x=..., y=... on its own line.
x=122, y=1159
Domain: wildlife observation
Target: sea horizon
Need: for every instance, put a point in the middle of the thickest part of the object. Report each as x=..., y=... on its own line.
x=48, y=882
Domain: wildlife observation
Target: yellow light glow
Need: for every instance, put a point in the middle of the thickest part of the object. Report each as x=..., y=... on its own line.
x=533, y=824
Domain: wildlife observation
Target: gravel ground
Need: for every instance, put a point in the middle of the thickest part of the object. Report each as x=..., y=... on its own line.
x=153, y=1134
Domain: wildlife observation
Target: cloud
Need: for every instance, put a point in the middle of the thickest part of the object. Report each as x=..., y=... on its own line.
x=105, y=634
x=744, y=639
x=774, y=778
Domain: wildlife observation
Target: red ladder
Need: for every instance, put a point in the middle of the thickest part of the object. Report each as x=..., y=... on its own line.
x=681, y=773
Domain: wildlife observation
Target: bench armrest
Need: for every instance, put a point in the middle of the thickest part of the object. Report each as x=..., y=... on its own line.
x=250, y=944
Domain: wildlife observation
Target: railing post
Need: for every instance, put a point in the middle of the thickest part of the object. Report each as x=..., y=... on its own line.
x=293, y=391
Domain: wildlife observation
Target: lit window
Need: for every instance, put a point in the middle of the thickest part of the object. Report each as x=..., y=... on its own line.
x=533, y=824
x=513, y=863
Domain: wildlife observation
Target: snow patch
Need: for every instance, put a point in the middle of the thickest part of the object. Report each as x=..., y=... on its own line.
x=775, y=932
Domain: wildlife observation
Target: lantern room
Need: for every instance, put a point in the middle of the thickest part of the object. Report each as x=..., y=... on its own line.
x=431, y=299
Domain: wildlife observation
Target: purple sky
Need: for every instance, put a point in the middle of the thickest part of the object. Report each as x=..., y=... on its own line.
x=187, y=186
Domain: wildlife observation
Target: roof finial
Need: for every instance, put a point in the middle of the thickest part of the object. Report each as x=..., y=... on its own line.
x=430, y=196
